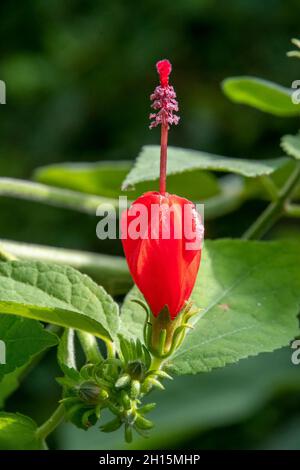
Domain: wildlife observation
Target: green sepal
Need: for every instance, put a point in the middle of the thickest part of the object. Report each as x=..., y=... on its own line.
x=111, y=426
x=164, y=335
x=147, y=408
x=126, y=402
x=135, y=389
x=123, y=381
x=128, y=433
x=143, y=423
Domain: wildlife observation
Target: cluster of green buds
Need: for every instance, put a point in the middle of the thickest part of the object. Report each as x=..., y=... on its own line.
x=117, y=384
x=87, y=392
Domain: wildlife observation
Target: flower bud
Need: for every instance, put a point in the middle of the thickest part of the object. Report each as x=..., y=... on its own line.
x=123, y=381
x=143, y=423
x=136, y=370
x=89, y=392
x=135, y=389
x=164, y=253
x=147, y=408
x=126, y=402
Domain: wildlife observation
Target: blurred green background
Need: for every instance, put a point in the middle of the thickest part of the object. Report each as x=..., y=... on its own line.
x=78, y=76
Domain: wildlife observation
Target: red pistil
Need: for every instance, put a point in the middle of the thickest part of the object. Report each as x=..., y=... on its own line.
x=165, y=103
x=164, y=68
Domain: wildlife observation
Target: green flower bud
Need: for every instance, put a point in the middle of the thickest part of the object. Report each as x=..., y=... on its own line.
x=135, y=389
x=103, y=395
x=162, y=374
x=136, y=370
x=143, y=423
x=128, y=433
x=123, y=381
x=126, y=402
x=147, y=408
x=89, y=392
x=152, y=382
x=112, y=426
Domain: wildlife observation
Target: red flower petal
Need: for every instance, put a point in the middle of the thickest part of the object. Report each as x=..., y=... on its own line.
x=164, y=269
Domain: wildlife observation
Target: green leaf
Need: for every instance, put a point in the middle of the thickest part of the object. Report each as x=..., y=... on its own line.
x=181, y=160
x=248, y=296
x=291, y=145
x=57, y=294
x=101, y=178
x=105, y=179
x=23, y=339
x=10, y=383
x=133, y=316
x=111, y=272
x=261, y=94
x=18, y=432
x=196, y=185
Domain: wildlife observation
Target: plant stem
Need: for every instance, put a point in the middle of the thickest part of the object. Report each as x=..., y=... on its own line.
x=156, y=363
x=88, y=203
x=293, y=210
x=109, y=271
x=275, y=209
x=163, y=158
x=53, y=196
x=48, y=426
x=232, y=195
x=270, y=187
x=110, y=347
x=90, y=347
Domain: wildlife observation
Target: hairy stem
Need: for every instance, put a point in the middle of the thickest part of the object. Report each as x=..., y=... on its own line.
x=53, y=196
x=275, y=209
x=270, y=187
x=90, y=347
x=111, y=350
x=88, y=203
x=48, y=426
x=293, y=210
x=109, y=271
